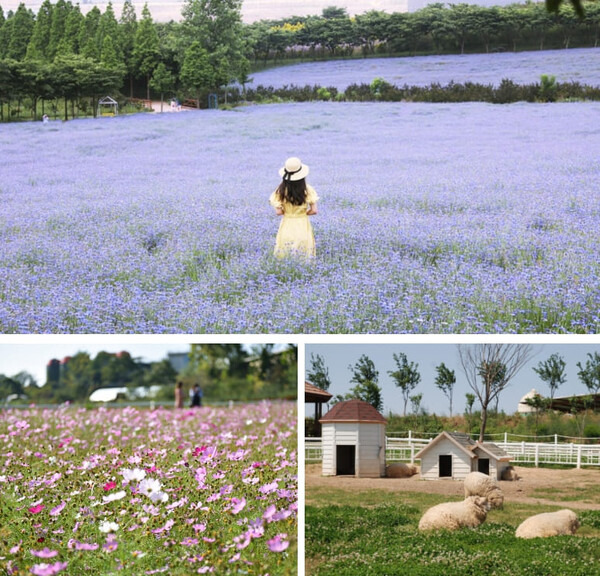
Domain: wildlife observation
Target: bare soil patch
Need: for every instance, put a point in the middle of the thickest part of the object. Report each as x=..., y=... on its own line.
x=572, y=488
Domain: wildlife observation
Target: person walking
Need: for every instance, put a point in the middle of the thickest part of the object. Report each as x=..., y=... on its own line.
x=196, y=396
x=295, y=200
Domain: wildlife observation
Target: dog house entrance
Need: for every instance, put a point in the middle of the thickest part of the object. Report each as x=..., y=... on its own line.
x=345, y=457
x=445, y=465
x=483, y=465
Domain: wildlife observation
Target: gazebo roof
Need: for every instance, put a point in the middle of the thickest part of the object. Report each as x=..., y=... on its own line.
x=313, y=393
x=353, y=411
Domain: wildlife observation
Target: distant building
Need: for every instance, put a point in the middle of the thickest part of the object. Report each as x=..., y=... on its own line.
x=524, y=407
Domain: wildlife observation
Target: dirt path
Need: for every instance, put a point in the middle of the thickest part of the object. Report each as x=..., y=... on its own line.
x=536, y=486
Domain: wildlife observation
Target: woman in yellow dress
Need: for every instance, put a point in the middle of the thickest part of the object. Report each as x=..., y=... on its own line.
x=295, y=201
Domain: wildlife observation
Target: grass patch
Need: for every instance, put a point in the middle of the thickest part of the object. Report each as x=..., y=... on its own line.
x=380, y=537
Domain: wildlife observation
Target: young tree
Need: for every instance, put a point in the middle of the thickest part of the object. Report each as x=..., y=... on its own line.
x=366, y=378
x=22, y=24
x=197, y=74
x=406, y=376
x=552, y=372
x=127, y=32
x=445, y=381
x=489, y=368
x=470, y=400
x=37, y=49
x=590, y=373
x=319, y=373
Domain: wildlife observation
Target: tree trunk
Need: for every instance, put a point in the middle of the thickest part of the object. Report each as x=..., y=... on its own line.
x=66, y=109
x=483, y=423
x=147, y=86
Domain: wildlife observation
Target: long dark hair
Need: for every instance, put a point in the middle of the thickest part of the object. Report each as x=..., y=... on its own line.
x=292, y=191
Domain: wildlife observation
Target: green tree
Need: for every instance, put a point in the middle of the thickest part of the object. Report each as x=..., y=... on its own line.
x=127, y=33
x=69, y=43
x=37, y=49
x=366, y=378
x=406, y=376
x=146, y=48
x=162, y=81
x=88, y=34
x=590, y=373
x=217, y=26
x=197, y=73
x=21, y=30
x=60, y=13
x=319, y=373
x=445, y=381
x=552, y=372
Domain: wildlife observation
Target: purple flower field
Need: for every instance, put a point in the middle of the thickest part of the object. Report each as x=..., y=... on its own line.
x=434, y=218
x=574, y=65
x=145, y=492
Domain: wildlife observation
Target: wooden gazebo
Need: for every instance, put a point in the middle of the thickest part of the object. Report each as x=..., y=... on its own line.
x=317, y=396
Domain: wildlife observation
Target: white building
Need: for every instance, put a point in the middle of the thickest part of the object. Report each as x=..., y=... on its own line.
x=353, y=440
x=453, y=455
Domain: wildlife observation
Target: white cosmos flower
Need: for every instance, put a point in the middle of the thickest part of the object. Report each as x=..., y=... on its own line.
x=135, y=475
x=115, y=496
x=108, y=526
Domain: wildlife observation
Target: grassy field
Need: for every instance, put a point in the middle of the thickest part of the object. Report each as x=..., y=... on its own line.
x=380, y=537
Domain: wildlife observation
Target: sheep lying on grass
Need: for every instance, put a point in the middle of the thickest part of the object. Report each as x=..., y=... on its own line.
x=548, y=524
x=478, y=484
x=469, y=513
x=400, y=470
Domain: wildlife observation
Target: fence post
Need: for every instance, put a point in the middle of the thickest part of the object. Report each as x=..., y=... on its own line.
x=537, y=455
x=412, y=453
x=556, y=439
x=579, y=456
x=506, y=437
x=409, y=436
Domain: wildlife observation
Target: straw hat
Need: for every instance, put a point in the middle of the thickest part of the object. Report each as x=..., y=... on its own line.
x=293, y=169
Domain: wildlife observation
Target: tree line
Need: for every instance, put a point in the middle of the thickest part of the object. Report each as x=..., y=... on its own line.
x=488, y=369
x=224, y=372
x=69, y=59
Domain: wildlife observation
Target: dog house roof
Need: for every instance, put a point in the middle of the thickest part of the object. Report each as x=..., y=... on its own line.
x=353, y=411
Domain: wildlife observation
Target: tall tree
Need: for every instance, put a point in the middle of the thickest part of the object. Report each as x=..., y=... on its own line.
x=69, y=43
x=590, y=373
x=489, y=369
x=127, y=32
x=37, y=49
x=146, y=47
x=60, y=13
x=197, y=73
x=21, y=29
x=319, y=373
x=366, y=378
x=552, y=372
x=217, y=26
x=445, y=381
x=406, y=376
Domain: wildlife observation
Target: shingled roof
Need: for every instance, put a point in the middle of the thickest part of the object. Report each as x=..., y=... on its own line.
x=313, y=393
x=464, y=442
x=353, y=411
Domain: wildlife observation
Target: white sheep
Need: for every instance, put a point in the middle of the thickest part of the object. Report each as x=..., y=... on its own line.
x=510, y=474
x=479, y=484
x=400, y=470
x=548, y=524
x=469, y=513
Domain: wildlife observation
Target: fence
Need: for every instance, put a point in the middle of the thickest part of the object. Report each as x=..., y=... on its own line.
x=556, y=449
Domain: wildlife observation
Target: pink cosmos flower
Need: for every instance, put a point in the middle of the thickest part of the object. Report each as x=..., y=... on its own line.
x=109, y=486
x=278, y=544
x=48, y=569
x=237, y=505
x=16, y=548
x=45, y=553
x=36, y=509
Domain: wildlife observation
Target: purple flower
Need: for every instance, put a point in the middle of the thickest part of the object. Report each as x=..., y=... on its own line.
x=45, y=553
x=278, y=544
x=48, y=569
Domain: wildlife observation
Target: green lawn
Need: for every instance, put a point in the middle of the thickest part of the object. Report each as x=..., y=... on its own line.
x=380, y=537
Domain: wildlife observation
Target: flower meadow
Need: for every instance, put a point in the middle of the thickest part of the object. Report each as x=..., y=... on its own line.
x=575, y=65
x=460, y=218
x=128, y=491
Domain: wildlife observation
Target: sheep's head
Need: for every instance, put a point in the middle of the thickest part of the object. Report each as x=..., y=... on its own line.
x=496, y=498
x=481, y=502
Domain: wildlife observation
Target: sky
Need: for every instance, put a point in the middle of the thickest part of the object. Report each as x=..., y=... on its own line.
x=33, y=356
x=338, y=358
x=252, y=10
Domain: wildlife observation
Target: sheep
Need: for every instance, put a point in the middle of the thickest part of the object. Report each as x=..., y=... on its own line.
x=548, y=524
x=469, y=513
x=478, y=484
x=400, y=470
x=510, y=474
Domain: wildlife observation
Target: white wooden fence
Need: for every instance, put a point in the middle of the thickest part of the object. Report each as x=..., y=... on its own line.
x=555, y=450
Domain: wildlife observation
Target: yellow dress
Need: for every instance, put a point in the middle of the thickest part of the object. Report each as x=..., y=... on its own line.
x=295, y=235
